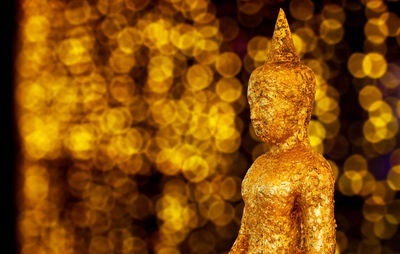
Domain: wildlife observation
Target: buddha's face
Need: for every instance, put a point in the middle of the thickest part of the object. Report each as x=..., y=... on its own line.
x=275, y=116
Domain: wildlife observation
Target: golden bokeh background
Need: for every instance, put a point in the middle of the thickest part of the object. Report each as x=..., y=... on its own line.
x=134, y=125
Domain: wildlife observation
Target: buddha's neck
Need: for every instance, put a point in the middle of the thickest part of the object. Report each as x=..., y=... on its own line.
x=300, y=138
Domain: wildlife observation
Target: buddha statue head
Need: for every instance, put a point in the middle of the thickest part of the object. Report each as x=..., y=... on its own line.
x=281, y=91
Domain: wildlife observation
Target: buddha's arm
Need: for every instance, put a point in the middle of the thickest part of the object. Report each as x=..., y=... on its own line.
x=317, y=205
x=241, y=244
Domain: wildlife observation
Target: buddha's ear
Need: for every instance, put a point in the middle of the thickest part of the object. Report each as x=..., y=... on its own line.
x=304, y=115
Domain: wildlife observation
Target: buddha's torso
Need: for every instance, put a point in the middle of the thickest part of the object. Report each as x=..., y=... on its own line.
x=272, y=215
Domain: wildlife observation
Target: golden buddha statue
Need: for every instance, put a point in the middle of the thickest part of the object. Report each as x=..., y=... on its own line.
x=288, y=192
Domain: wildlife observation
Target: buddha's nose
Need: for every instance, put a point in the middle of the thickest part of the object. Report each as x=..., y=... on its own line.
x=255, y=113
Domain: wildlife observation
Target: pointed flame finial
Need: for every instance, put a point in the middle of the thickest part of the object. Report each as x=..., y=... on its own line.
x=282, y=47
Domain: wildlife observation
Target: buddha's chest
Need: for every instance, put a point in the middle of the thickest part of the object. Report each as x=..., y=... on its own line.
x=270, y=186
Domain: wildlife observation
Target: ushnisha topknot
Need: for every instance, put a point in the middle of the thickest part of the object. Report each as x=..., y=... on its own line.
x=282, y=47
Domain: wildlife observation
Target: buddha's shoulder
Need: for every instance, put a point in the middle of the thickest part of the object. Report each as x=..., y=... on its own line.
x=274, y=166
x=309, y=160
x=301, y=160
x=317, y=168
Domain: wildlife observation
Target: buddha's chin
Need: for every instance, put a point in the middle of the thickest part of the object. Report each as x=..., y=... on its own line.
x=260, y=130
x=263, y=134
